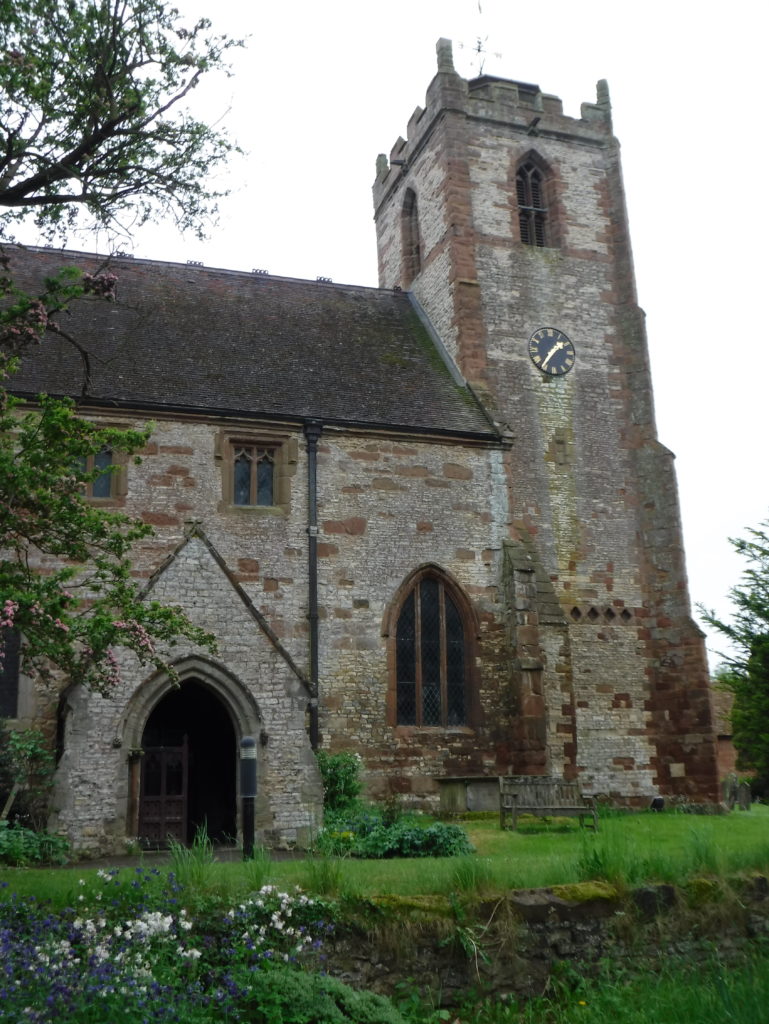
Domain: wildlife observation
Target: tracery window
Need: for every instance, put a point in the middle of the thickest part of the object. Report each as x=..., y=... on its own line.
x=532, y=209
x=253, y=475
x=256, y=470
x=431, y=657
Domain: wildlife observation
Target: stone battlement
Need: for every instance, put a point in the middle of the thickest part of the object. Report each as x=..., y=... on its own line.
x=521, y=106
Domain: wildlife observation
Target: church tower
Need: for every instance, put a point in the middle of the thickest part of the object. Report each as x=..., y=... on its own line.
x=507, y=221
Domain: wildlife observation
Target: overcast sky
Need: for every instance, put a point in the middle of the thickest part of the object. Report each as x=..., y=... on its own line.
x=322, y=88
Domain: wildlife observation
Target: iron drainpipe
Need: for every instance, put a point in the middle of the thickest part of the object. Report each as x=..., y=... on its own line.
x=312, y=432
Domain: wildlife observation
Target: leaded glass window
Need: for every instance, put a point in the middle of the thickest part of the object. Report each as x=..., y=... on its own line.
x=430, y=658
x=101, y=486
x=532, y=212
x=253, y=475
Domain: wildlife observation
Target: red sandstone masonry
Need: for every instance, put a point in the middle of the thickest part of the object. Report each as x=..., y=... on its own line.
x=614, y=483
x=355, y=526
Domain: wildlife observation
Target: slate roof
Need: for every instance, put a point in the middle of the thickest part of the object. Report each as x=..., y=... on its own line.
x=183, y=337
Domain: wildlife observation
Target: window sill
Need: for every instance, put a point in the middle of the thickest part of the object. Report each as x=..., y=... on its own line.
x=434, y=730
x=118, y=501
x=258, y=510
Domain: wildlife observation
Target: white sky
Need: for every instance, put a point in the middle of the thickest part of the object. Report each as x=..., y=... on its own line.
x=322, y=88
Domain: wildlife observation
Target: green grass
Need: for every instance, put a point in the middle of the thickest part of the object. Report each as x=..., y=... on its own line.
x=629, y=850
x=690, y=851
x=674, y=993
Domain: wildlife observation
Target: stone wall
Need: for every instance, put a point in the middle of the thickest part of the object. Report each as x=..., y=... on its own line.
x=525, y=935
x=387, y=506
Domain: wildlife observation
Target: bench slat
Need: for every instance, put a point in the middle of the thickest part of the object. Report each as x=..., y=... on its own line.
x=544, y=797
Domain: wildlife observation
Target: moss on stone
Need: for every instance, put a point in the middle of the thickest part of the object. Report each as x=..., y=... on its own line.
x=702, y=890
x=584, y=892
x=435, y=906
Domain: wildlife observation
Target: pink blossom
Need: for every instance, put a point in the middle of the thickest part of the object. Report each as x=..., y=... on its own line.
x=7, y=614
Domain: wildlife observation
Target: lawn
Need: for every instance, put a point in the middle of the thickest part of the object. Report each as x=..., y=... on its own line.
x=629, y=849
x=202, y=941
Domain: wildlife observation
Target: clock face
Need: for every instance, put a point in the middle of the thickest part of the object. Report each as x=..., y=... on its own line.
x=551, y=351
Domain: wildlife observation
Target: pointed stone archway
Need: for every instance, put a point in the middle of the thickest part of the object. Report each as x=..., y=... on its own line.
x=183, y=743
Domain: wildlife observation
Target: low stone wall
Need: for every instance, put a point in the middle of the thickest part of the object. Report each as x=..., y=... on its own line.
x=510, y=945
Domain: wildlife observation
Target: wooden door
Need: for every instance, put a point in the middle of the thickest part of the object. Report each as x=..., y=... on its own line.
x=164, y=794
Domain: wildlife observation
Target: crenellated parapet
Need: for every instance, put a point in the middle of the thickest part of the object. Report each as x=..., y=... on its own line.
x=519, y=106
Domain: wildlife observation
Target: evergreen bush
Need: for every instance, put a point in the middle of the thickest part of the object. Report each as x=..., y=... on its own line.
x=341, y=778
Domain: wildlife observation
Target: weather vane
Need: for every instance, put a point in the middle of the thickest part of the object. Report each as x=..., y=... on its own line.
x=479, y=47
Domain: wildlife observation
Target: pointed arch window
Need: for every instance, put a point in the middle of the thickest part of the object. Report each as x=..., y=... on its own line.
x=532, y=208
x=431, y=657
x=410, y=243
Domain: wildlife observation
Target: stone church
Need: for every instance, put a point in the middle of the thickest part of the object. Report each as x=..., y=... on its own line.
x=430, y=522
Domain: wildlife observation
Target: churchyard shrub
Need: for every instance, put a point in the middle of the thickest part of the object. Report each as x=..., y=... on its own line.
x=341, y=778
x=21, y=846
x=362, y=831
x=294, y=997
x=26, y=776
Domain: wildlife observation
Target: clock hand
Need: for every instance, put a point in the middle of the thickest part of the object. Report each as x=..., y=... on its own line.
x=551, y=353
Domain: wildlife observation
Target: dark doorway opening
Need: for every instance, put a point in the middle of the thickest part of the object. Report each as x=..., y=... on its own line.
x=188, y=768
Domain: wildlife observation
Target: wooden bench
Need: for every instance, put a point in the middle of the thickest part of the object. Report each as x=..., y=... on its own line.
x=544, y=796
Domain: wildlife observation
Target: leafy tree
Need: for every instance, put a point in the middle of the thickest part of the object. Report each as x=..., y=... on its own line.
x=91, y=118
x=746, y=671
x=91, y=112
x=26, y=319
x=26, y=768
x=65, y=575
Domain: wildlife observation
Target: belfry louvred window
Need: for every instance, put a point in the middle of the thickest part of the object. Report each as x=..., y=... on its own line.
x=532, y=211
x=410, y=240
x=431, y=657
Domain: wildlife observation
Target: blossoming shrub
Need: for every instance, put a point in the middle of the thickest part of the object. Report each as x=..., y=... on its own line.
x=128, y=952
x=269, y=927
x=362, y=831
